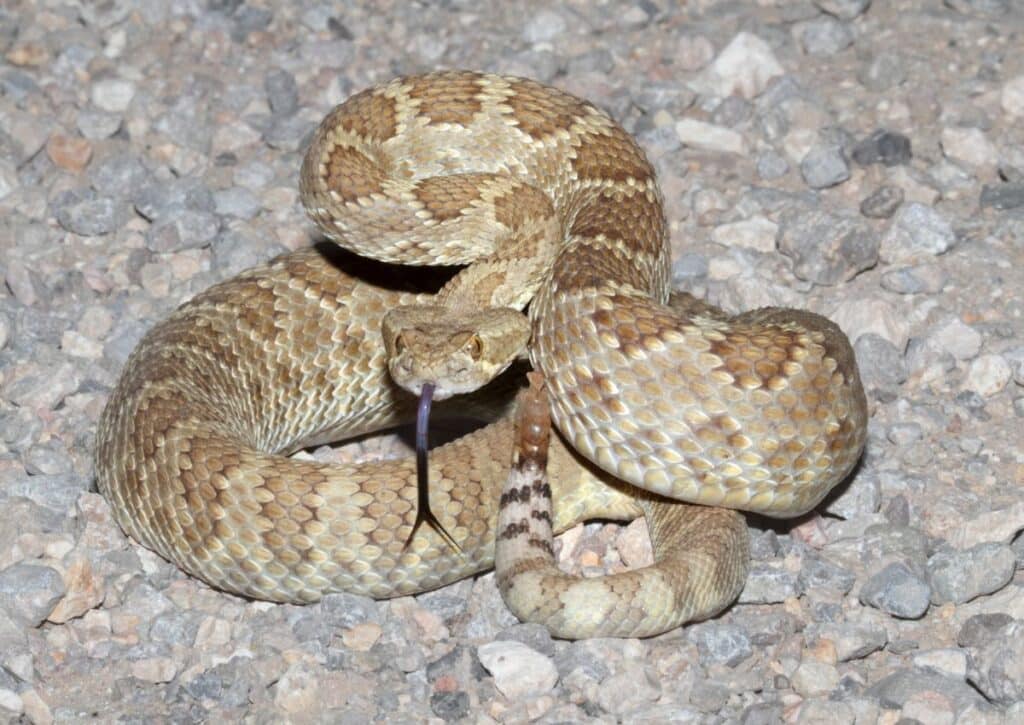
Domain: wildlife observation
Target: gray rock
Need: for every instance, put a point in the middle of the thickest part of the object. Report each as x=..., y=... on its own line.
x=771, y=165
x=768, y=583
x=824, y=166
x=282, y=91
x=843, y=9
x=161, y=198
x=288, y=133
x=997, y=668
x=173, y=626
x=534, y=636
x=904, y=434
x=827, y=248
x=29, y=592
x=660, y=141
x=544, y=26
x=119, y=175
x=1002, y=196
x=980, y=8
x=883, y=147
x=187, y=230
x=249, y=19
x=818, y=573
x=882, y=70
x=915, y=280
x=762, y=714
x=894, y=691
x=237, y=202
x=344, y=611
x=732, y=111
x=882, y=203
x=449, y=603
x=981, y=629
x=89, y=214
x=48, y=459
x=853, y=641
x=960, y=576
x=253, y=175
x=861, y=496
x=187, y=124
x=227, y=684
x=896, y=590
x=450, y=706
x=689, y=266
x=916, y=231
x=720, y=643
x=881, y=364
x=96, y=125
x=825, y=36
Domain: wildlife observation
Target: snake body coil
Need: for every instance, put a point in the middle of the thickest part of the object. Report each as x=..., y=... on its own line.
x=549, y=200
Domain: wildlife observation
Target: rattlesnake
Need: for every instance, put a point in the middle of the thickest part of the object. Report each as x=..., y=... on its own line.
x=558, y=208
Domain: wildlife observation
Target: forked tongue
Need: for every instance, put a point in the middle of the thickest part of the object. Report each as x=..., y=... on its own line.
x=423, y=512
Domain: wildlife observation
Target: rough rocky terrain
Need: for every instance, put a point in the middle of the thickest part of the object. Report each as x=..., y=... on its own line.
x=865, y=160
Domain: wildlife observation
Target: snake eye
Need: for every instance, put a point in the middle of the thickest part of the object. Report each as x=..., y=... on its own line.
x=475, y=347
x=400, y=343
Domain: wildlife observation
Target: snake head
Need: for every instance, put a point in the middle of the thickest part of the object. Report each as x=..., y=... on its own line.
x=457, y=351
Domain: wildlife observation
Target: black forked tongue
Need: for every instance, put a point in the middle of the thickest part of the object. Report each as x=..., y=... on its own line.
x=423, y=512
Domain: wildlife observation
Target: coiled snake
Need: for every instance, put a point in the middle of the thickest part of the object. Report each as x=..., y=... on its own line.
x=555, y=206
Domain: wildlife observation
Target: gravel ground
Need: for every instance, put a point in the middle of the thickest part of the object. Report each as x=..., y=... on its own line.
x=863, y=160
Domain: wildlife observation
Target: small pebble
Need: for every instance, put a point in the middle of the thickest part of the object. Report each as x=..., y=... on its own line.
x=113, y=95
x=825, y=36
x=969, y=146
x=896, y=590
x=882, y=147
x=518, y=671
x=708, y=137
x=1012, y=96
x=69, y=153
x=916, y=231
x=827, y=248
x=882, y=203
x=744, y=67
x=1002, y=196
x=988, y=375
x=824, y=166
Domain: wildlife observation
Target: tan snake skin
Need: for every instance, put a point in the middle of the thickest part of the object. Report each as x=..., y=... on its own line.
x=762, y=412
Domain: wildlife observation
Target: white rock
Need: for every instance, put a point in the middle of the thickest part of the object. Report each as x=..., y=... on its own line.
x=744, y=68
x=155, y=669
x=518, y=670
x=951, y=661
x=112, y=94
x=969, y=146
x=546, y=25
x=1012, y=96
x=859, y=317
x=8, y=178
x=931, y=707
x=11, y=702
x=988, y=375
x=709, y=137
x=76, y=344
x=958, y=339
x=757, y=232
x=815, y=678
x=917, y=231
x=999, y=526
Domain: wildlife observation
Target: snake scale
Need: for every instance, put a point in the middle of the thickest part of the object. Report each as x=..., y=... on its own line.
x=551, y=204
